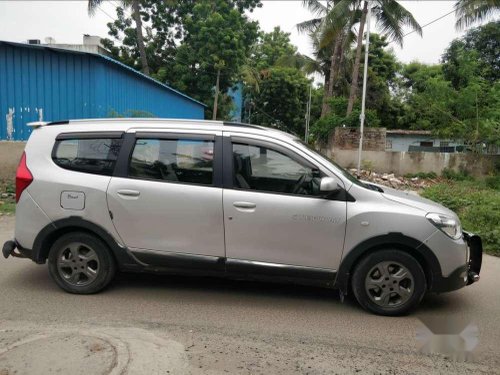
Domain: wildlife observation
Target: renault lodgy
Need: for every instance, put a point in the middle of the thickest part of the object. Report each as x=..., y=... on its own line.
x=213, y=198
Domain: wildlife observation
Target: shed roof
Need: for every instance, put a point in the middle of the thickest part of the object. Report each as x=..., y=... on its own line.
x=408, y=132
x=107, y=59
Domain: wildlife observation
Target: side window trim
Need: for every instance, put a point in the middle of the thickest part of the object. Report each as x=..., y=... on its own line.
x=130, y=138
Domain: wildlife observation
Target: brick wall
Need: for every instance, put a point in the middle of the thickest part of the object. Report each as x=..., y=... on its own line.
x=348, y=139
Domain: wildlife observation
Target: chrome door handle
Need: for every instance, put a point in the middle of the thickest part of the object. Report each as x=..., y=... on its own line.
x=247, y=205
x=129, y=193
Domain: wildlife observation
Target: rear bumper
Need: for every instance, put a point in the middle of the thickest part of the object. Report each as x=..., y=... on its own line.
x=9, y=249
x=466, y=274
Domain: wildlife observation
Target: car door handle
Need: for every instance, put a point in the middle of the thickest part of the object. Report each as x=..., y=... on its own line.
x=129, y=193
x=245, y=205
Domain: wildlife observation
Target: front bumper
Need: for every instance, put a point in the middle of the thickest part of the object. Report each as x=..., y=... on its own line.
x=466, y=274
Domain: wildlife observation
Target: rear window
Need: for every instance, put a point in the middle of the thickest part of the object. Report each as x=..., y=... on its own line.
x=96, y=156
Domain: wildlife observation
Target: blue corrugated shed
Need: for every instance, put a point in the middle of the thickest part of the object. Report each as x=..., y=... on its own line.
x=64, y=84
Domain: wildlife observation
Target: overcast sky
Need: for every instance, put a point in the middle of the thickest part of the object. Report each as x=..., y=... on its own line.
x=67, y=21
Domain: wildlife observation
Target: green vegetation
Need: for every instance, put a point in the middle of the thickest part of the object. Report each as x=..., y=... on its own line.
x=7, y=197
x=476, y=203
x=205, y=47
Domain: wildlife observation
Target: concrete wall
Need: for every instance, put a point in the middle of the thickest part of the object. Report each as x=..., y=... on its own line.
x=10, y=154
x=401, y=163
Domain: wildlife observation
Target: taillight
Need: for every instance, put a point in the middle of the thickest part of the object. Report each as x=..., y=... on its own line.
x=23, y=177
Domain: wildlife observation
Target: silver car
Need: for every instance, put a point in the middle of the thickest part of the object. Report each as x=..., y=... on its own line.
x=225, y=199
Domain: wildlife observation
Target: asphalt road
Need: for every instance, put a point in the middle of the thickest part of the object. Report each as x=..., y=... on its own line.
x=173, y=324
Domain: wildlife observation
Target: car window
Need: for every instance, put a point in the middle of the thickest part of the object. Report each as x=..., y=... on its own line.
x=96, y=156
x=174, y=160
x=265, y=169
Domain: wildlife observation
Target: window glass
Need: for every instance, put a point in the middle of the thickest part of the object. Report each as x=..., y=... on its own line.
x=88, y=155
x=264, y=169
x=176, y=160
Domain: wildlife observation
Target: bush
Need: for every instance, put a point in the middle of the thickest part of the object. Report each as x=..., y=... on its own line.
x=450, y=174
x=493, y=182
x=477, y=206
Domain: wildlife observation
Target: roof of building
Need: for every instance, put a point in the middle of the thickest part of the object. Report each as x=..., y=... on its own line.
x=408, y=132
x=103, y=57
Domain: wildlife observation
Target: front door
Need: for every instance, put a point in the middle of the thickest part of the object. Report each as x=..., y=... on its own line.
x=275, y=214
x=168, y=201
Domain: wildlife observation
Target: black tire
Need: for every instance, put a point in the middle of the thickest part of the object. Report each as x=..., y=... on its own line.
x=373, y=288
x=89, y=271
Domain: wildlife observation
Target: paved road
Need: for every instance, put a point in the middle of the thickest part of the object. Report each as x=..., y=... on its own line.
x=167, y=324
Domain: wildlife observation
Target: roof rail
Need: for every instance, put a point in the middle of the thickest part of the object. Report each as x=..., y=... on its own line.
x=37, y=124
x=244, y=125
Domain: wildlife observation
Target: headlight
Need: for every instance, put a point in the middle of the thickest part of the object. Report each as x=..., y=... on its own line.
x=447, y=224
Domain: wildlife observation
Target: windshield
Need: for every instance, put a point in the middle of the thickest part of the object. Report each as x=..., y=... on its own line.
x=344, y=172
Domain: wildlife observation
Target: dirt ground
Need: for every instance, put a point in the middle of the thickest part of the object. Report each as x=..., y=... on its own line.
x=145, y=324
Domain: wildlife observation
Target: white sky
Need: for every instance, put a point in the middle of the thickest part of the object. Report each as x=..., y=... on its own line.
x=67, y=21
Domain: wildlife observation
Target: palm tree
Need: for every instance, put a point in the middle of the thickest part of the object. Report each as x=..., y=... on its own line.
x=328, y=33
x=469, y=12
x=390, y=16
x=136, y=15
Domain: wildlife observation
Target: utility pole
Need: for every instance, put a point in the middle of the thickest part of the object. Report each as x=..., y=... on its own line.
x=308, y=114
x=365, y=78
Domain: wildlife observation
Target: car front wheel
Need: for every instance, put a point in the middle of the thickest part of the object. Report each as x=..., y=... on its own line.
x=389, y=282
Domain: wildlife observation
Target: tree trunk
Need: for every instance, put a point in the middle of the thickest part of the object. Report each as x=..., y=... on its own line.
x=355, y=72
x=324, y=105
x=214, y=115
x=331, y=80
x=140, y=38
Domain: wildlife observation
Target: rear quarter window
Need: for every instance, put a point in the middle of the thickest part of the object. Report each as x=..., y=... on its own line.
x=97, y=155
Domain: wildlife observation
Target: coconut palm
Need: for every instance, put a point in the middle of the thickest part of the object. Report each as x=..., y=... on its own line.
x=136, y=15
x=391, y=18
x=469, y=12
x=331, y=34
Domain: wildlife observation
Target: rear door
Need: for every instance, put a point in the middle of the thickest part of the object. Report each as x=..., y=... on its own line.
x=166, y=197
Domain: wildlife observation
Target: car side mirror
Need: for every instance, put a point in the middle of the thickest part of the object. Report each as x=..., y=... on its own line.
x=328, y=185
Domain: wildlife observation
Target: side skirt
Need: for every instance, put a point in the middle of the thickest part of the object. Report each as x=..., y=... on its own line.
x=202, y=265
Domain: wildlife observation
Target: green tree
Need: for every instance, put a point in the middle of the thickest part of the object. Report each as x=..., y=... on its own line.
x=485, y=41
x=331, y=37
x=216, y=43
x=282, y=100
x=391, y=17
x=136, y=15
x=271, y=48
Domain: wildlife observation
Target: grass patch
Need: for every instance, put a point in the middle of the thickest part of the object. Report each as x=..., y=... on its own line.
x=7, y=197
x=477, y=203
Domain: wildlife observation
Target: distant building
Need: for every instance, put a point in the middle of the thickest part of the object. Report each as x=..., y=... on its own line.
x=91, y=44
x=419, y=140
x=48, y=83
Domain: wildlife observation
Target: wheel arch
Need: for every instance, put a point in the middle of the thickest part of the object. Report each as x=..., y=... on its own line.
x=49, y=234
x=399, y=241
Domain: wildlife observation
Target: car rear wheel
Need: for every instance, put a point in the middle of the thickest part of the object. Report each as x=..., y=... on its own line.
x=389, y=282
x=81, y=263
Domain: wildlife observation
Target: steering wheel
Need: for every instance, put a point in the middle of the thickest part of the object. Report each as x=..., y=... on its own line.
x=299, y=183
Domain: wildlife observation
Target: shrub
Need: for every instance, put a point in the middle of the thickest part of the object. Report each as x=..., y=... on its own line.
x=477, y=206
x=462, y=175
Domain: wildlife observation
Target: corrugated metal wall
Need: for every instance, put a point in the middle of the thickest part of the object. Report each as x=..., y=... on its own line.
x=60, y=85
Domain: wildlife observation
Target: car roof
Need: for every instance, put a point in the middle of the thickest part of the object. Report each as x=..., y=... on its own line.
x=125, y=124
